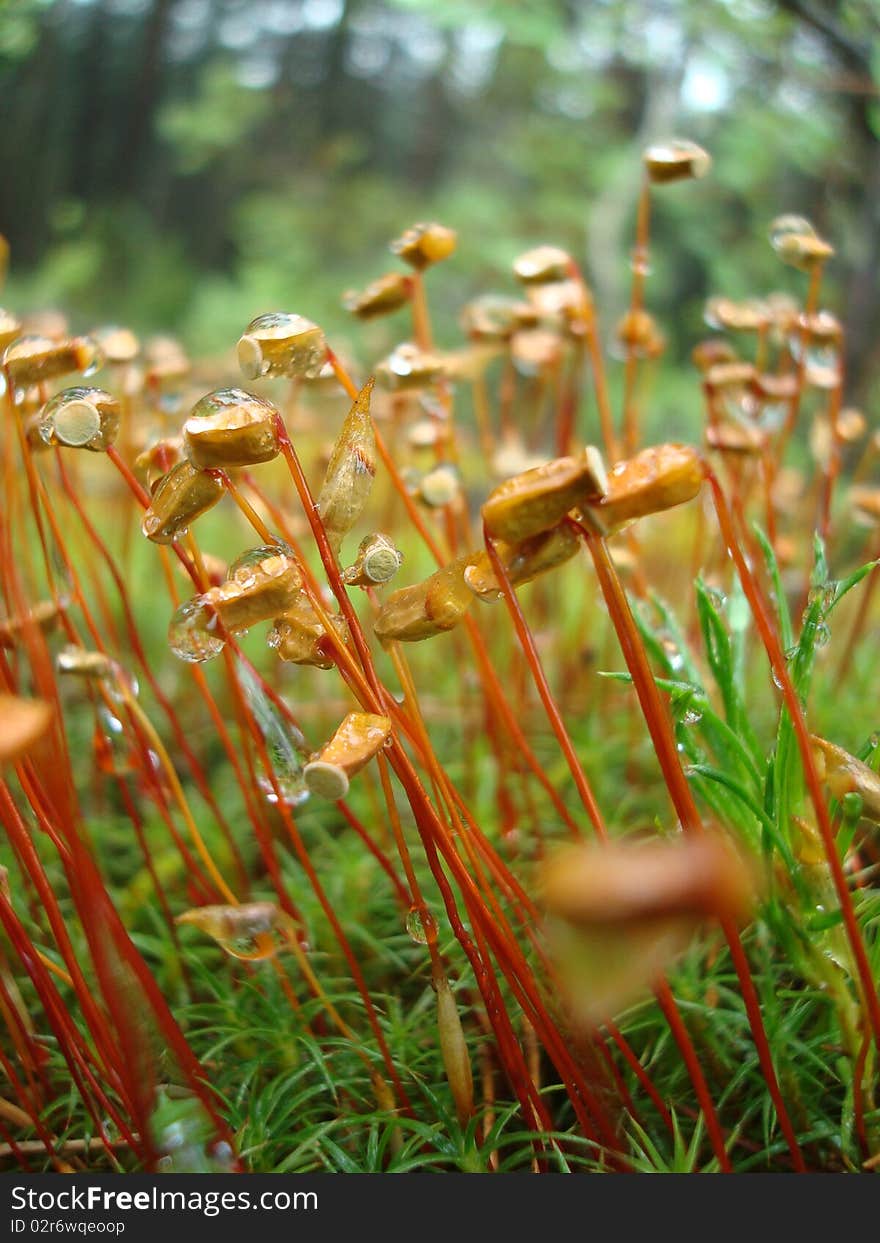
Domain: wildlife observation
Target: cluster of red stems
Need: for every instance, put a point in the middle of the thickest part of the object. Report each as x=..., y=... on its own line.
x=71, y=643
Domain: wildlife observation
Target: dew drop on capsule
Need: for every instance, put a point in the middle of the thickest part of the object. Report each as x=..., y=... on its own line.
x=281, y=344
x=190, y=633
x=81, y=418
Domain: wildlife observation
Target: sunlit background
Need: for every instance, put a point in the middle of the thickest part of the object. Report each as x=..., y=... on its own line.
x=186, y=164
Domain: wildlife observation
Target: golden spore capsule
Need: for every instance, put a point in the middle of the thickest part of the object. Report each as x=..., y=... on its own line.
x=428, y=608
x=360, y=736
x=539, y=499
x=281, y=344
x=178, y=499
x=10, y=328
x=675, y=160
x=261, y=583
x=522, y=562
x=350, y=471
x=381, y=297
x=658, y=478
x=231, y=427
x=300, y=638
x=34, y=359
x=543, y=265
x=797, y=243
x=377, y=561
x=424, y=244
x=408, y=367
x=81, y=418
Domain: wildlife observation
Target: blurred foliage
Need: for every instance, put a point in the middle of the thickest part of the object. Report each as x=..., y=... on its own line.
x=186, y=164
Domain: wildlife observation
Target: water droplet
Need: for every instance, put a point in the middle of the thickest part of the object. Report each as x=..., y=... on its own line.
x=287, y=747
x=189, y=632
x=692, y=717
x=421, y=926
x=280, y=343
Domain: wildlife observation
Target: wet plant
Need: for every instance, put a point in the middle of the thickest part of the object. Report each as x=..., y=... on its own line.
x=408, y=766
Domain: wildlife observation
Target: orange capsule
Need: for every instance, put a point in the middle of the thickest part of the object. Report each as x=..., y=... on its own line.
x=675, y=160
x=655, y=479
x=178, y=499
x=381, y=297
x=523, y=562
x=230, y=428
x=539, y=498
x=34, y=359
x=360, y=736
x=299, y=637
x=543, y=265
x=844, y=774
x=430, y=607
x=424, y=244
x=23, y=722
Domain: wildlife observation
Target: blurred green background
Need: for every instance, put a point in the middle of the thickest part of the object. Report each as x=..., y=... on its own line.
x=186, y=164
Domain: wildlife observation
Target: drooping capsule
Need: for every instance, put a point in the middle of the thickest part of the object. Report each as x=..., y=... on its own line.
x=281, y=344
x=178, y=499
x=33, y=359
x=299, y=636
x=543, y=265
x=845, y=774
x=261, y=583
x=350, y=471
x=797, y=243
x=424, y=244
x=430, y=607
x=229, y=428
x=81, y=418
x=157, y=459
x=523, y=561
x=539, y=498
x=409, y=367
x=23, y=722
x=252, y=931
x=622, y=912
x=377, y=561
x=675, y=160
x=80, y=662
x=658, y=478
x=360, y=736
x=381, y=297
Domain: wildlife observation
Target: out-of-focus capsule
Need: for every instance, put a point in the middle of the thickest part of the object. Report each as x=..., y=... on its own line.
x=10, y=328
x=658, y=478
x=281, y=344
x=730, y=375
x=350, y=471
x=543, y=265
x=851, y=425
x=865, y=502
x=536, y=350
x=430, y=607
x=252, y=931
x=774, y=388
x=540, y=498
x=495, y=318
x=513, y=458
x=165, y=362
x=408, y=367
x=360, y=736
x=797, y=243
x=120, y=346
x=749, y=316
x=377, y=561
x=381, y=297
x=32, y=359
x=708, y=354
x=157, y=459
x=844, y=774
x=440, y=486
x=44, y=615
x=675, y=160
x=424, y=244
x=23, y=722
x=638, y=331
x=299, y=637
x=622, y=912
x=231, y=428
x=740, y=439
x=81, y=418
x=178, y=499
x=81, y=663
x=523, y=561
